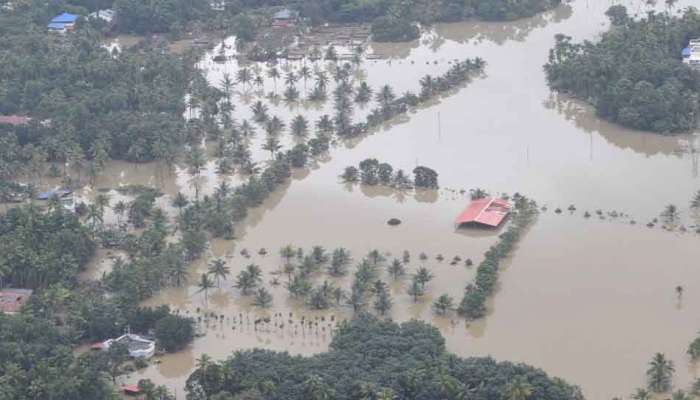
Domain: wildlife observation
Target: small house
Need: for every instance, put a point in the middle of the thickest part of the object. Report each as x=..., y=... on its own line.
x=63, y=23
x=486, y=212
x=11, y=300
x=285, y=18
x=106, y=15
x=14, y=120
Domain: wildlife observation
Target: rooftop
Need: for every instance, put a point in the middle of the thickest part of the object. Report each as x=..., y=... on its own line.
x=487, y=211
x=14, y=119
x=64, y=18
x=11, y=300
x=285, y=14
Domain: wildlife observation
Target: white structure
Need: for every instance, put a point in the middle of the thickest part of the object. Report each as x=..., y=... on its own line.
x=139, y=347
x=105, y=15
x=691, y=54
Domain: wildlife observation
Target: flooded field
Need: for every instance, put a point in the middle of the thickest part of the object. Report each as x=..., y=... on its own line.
x=580, y=298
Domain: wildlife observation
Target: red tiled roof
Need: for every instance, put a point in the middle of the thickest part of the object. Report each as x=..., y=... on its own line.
x=14, y=119
x=487, y=211
x=131, y=389
x=11, y=300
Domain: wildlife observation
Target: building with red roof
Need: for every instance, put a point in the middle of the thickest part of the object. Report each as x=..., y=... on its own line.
x=488, y=212
x=11, y=300
x=14, y=120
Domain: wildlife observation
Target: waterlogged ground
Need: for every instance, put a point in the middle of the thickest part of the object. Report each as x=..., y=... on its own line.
x=589, y=300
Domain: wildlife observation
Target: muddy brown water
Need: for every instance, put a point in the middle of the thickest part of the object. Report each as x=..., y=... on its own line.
x=588, y=300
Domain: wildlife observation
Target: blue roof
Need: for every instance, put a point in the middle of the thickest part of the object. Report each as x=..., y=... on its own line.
x=56, y=191
x=55, y=25
x=65, y=18
x=686, y=52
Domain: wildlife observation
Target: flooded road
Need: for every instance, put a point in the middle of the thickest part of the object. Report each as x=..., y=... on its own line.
x=580, y=298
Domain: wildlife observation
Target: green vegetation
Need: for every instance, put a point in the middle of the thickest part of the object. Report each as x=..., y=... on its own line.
x=396, y=20
x=371, y=172
x=634, y=75
x=473, y=304
x=369, y=358
x=173, y=332
x=38, y=363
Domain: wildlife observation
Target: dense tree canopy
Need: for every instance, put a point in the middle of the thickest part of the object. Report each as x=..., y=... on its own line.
x=87, y=103
x=369, y=358
x=39, y=249
x=634, y=75
x=38, y=363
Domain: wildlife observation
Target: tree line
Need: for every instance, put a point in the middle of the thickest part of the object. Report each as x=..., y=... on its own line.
x=373, y=359
x=473, y=304
x=634, y=74
x=371, y=172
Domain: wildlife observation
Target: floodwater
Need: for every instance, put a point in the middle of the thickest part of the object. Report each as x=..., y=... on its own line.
x=580, y=297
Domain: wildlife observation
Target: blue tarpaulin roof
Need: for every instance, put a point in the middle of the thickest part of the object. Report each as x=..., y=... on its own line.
x=54, y=192
x=64, y=18
x=686, y=52
x=55, y=25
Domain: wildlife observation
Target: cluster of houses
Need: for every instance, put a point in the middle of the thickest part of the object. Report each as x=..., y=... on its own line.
x=691, y=54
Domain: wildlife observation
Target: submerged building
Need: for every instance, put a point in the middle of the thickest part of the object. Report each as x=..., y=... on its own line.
x=487, y=212
x=139, y=346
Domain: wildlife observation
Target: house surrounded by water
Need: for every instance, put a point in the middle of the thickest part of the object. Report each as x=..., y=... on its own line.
x=487, y=212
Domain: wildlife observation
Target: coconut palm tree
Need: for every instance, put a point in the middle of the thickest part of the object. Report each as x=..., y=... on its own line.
x=259, y=112
x=287, y=253
x=321, y=80
x=246, y=128
x=119, y=210
x=178, y=272
x=180, y=201
x=660, y=373
x=274, y=73
x=423, y=276
x=415, y=289
x=290, y=79
x=695, y=203
x=205, y=283
x=300, y=127
x=518, y=389
x=272, y=144
x=641, y=394
x=305, y=73
x=219, y=270
x=382, y=302
x=263, y=298
x=443, y=304
x=396, y=269
x=325, y=125
x=227, y=85
x=244, y=76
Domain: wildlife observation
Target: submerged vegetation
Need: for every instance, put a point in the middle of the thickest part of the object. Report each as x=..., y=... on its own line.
x=371, y=172
x=372, y=359
x=634, y=75
x=473, y=304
